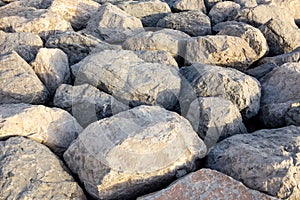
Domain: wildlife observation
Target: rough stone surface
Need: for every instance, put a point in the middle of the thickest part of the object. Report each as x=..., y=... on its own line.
x=223, y=11
x=129, y=79
x=38, y=4
x=194, y=23
x=29, y=170
x=166, y=39
x=113, y=25
x=162, y=57
x=25, y=44
x=149, y=11
x=207, y=184
x=78, y=12
x=223, y=50
x=281, y=36
x=219, y=26
x=53, y=127
x=184, y=5
x=261, y=70
x=213, y=81
x=253, y=36
x=86, y=103
x=266, y=160
x=292, y=116
x=52, y=67
x=78, y=45
x=293, y=56
x=28, y=19
x=123, y=155
x=18, y=82
x=215, y=119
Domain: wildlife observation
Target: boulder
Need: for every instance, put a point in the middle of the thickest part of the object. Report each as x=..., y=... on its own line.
x=184, y=5
x=113, y=25
x=215, y=119
x=162, y=57
x=293, y=56
x=18, y=81
x=78, y=45
x=194, y=23
x=282, y=37
x=206, y=184
x=52, y=67
x=223, y=50
x=266, y=160
x=149, y=12
x=26, y=172
x=77, y=12
x=129, y=79
x=169, y=40
x=53, y=127
x=28, y=19
x=279, y=91
x=86, y=103
x=38, y=4
x=219, y=26
x=25, y=44
x=121, y=156
x=214, y=81
x=261, y=70
x=252, y=35
x=223, y=11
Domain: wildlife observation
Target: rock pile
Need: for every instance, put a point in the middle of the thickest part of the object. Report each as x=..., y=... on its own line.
x=150, y=99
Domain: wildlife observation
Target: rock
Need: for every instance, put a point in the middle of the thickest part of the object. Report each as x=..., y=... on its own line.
x=121, y=156
x=261, y=70
x=27, y=174
x=219, y=26
x=169, y=40
x=149, y=12
x=78, y=45
x=86, y=103
x=293, y=56
x=223, y=11
x=215, y=119
x=184, y=5
x=281, y=36
x=213, y=81
x=38, y=4
x=223, y=50
x=279, y=92
x=253, y=36
x=129, y=79
x=261, y=14
x=292, y=116
x=266, y=160
x=52, y=67
x=206, y=184
x=113, y=25
x=28, y=19
x=18, y=82
x=194, y=23
x=249, y=3
x=25, y=44
x=162, y=57
x=77, y=12
x=53, y=127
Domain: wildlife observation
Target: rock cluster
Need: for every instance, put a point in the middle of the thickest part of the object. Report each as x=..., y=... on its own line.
x=150, y=99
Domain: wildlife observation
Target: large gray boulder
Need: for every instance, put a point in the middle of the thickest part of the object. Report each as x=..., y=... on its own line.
x=77, y=12
x=215, y=119
x=86, y=103
x=194, y=23
x=18, y=81
x=53, y=127
x=29, y=170
x=207, y=184
x=214, y=81
x=121, y=156
x=223, y=50
x=149, y=11
x=129, y=79
x=279, y=91
x=169, y=40
x=223, y=11
x=113, y=25
x=266, y=160
x=78, y=45
x=25, y=44
x=52, y=67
